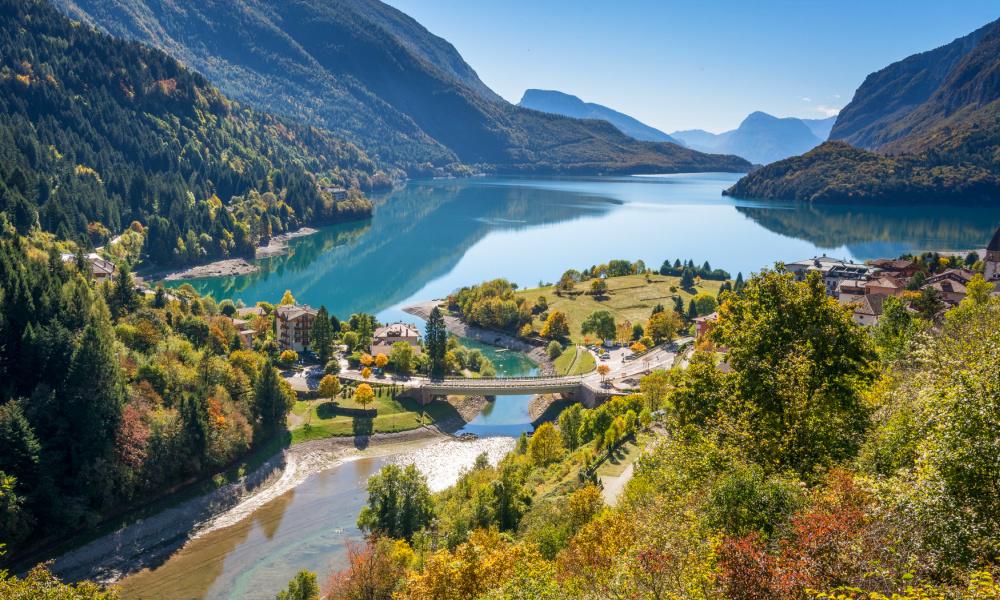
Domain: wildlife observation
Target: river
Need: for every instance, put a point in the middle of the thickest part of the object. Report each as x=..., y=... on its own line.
x=431, y=237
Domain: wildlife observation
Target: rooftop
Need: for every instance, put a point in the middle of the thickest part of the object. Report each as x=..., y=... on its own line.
x=890, y=264
x=294, y=311
x=871, y=304
x=397, y=330
x=995, y=242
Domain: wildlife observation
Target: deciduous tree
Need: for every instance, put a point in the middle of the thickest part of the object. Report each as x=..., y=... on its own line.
x=399, y=502
x=329, y=386
x=364, y=395
x=556, y=325
x=545, y=445
x=599, y=323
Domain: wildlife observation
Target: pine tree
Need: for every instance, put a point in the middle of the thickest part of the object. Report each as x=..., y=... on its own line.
x=678, y=305
x=436, y=341
x=692, y=309
x=124, y=298
x=19, y=448
x=322, y=335
x=94, y=394
x=687, y=279
x=271, y=401
x=160, y=299
x=738, y=286
x=194, y=416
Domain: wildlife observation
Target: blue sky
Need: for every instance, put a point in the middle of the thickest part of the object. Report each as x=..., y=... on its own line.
x=683, y=65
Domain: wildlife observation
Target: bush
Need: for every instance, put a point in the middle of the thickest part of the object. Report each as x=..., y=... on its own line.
x=288, y=357
x=554, y=349
x=332, y=367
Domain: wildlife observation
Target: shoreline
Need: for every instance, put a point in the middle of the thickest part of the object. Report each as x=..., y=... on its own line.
x=457, y=327
x=230, y=267
x=149, y=542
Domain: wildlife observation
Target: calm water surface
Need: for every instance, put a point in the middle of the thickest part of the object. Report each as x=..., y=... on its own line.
x=432, y=237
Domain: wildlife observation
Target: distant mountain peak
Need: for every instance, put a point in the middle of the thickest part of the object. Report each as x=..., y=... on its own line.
x=568, y=105
x=761, y=138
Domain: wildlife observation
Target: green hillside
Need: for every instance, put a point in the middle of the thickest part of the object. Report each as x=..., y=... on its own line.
x=96, y=133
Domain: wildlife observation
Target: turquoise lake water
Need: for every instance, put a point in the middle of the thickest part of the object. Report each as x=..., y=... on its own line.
x=431, y=237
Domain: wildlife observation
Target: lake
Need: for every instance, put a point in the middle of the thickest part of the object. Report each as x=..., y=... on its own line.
x=431, y=237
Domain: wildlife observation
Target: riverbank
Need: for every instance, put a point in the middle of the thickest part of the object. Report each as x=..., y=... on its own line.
x=149, y=542
x=457, y=327
x=231, y=267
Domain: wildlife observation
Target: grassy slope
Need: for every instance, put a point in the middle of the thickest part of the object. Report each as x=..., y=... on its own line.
x=629, y=298
x=575, y=361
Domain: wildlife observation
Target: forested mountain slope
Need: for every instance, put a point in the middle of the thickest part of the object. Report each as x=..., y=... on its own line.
x=938, y=142
x=369, y=72
x=873, y=117
x=96, y=133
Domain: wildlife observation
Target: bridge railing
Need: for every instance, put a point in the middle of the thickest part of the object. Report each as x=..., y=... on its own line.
x=510, y=379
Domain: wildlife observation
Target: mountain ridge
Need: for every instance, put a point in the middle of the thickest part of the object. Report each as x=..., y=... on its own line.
x=561, y=103
x=376, y=77
x=760, y=138
x=940, y=144
x=890, y=94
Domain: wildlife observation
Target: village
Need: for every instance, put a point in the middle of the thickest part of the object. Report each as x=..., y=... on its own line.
x=939, y=280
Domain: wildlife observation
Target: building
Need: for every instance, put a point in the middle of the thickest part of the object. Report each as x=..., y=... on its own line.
x=388, y=335
x=950, y=285
x=293, y=326
x=249, y=312
x=885, y=285
x=338, y=193
x=991, y=263
x=245, y=331
x=101, y=269
x=703, y=325
x=868, y=310
x=900, y=268
x=832, y=270
x=851, y=290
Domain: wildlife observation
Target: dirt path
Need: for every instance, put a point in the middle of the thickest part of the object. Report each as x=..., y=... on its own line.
x=614, y=486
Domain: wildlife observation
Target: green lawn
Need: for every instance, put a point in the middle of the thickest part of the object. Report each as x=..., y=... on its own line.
x=629, y=298
x=323, y=418
x=574, y=361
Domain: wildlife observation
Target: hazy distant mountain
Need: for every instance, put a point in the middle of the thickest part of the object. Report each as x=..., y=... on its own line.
x=558, y=103
x=933, y=120
x=820, y=127
x=375, y=76
x=760, y=138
